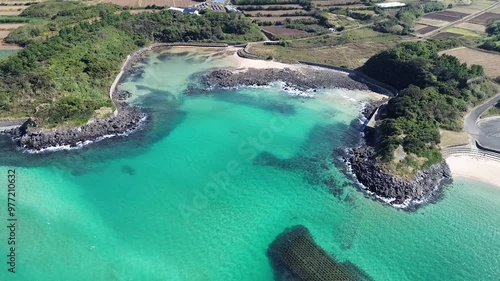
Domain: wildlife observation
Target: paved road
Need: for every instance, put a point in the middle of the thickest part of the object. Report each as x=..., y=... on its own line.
x=472, y=128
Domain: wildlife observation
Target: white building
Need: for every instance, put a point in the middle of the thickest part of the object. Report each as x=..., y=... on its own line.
x=391, y=5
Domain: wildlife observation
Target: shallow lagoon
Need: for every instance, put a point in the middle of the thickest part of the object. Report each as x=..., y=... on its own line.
x=151, y=206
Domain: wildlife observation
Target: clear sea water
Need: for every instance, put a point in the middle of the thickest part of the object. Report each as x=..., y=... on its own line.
x=203, y=190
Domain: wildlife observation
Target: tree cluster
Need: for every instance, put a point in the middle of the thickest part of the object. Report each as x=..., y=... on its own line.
x=402, y=23
x=492, y=42
x=435, y=91
x=65, y=77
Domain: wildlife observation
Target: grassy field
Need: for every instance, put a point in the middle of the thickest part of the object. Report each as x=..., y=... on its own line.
x=463, y=31
x=350, y=49
x=473, y=27
x=449, y=138
x=493, y=111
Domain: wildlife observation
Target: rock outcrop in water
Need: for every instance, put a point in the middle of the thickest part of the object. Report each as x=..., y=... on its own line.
x=306, y=78
x=393, y=189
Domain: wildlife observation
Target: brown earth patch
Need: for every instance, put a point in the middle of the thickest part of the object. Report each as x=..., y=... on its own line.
x=10, y=26
x=3, y=45
x=278, y=13
x=427, y=29
x=445, y=35
x=488, y=60
x=279, y=19
x=277, y=31
x=485, y=18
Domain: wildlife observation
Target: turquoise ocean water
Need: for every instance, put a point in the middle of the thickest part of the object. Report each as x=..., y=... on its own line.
x=201, y=192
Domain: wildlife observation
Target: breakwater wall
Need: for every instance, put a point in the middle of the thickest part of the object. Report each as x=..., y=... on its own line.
x=468, y=150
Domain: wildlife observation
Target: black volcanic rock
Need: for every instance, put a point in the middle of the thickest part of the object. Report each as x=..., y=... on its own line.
x=306, y=78
x=31, y=138
x=385, y=185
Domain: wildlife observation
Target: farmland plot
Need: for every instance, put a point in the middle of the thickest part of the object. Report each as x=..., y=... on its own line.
x=485, y=19
x=488, y=60
x=279, y=19
x=279, y=32
x=448, y=16
x=278, y=13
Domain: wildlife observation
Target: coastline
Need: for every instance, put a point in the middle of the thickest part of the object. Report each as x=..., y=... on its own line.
x=475, y=168
x=371, y=178
x=126, y=119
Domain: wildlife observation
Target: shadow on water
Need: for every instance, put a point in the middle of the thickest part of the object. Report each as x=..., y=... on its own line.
x=312, y=162
x=281, y=106
x=295, y=256
x=163, y=118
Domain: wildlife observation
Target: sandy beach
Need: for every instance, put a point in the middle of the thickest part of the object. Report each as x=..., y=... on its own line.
x=240, y=62
x=480, y=169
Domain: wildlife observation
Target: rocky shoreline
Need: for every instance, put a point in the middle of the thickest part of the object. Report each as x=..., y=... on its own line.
x=33, y=139
x=391, y=189
x=125, y=120
x=304, y=79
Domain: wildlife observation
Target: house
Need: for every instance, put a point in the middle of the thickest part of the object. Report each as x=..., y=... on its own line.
x=391, y=5
x=189, y=10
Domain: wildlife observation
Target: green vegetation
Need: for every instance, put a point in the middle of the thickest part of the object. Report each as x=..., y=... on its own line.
x=406, y=17
x=492, y=42
x=66, y=77
x=349, y=49
x=435, y=92
x=6, y=53
x=463, y=31
x=13, y=19
x=492, y=111
x=53, y=16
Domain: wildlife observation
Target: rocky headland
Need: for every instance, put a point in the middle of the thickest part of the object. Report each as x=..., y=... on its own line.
x=392, y=189
x=31, y=138
x=126, y=119
x=376, y=181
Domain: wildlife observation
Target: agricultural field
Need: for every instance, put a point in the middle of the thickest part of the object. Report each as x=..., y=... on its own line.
x=3, y=46
x=463, y=32
x=280, y=19
x=432, y=22
x=144, y=3
x=488, y=60
x=11, y=10
x=335, y=2
x=273, y=13
x=426, y=29
x=278, y=32
x=350, y=49
x=445, y=35
x=10, y=26
x=472, y=26
x=449, y=16
x=270, y=7
x=485, y=18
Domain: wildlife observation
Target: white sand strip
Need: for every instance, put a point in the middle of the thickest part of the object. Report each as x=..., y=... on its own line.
x=480, y=169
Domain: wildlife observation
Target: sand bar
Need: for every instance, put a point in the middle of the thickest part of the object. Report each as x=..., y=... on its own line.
x=480, y=169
